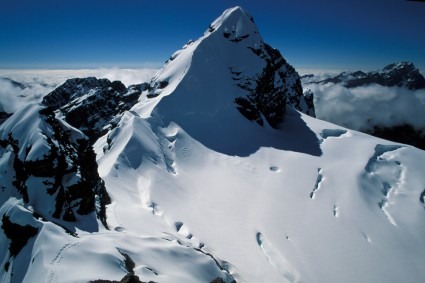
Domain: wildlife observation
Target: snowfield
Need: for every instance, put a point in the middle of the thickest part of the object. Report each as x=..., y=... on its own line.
x=200, y=193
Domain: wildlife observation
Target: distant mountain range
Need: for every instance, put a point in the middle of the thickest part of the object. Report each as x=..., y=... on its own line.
x=403, y=74
x=213, y=171
x=14, y=83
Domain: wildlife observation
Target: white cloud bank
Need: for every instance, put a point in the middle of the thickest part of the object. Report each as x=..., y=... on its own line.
x=362, y=108
x=38, y=83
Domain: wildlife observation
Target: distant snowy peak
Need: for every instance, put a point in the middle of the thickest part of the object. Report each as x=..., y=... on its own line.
x=228, y=68
x=403, y=74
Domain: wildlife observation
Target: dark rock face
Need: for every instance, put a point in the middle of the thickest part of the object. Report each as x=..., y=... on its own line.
x=269, y=93
x=68, y=188
x=71, y=89
x=18, y=231
x=401, y=133
x=4, y=116
x=272, y=89
x=90, y=104
x=403, y=74
x=309, y=100
x=17, y=234
x=66, y=175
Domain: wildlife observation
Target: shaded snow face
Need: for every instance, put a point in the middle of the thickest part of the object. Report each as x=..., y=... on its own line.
x=357, y=206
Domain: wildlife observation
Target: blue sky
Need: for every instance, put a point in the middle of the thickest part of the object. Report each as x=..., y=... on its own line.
x=326, y=34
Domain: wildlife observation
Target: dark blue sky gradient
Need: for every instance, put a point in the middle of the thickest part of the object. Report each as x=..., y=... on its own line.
x=326, y=34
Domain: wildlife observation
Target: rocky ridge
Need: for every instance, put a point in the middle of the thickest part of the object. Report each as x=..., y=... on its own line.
x=90, y=104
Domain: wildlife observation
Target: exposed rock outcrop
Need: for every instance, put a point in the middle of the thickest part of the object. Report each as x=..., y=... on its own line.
x=90, y=104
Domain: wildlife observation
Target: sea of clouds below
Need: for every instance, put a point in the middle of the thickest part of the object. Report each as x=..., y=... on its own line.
x=40, y=82
x=362, y=108
x=358, y=108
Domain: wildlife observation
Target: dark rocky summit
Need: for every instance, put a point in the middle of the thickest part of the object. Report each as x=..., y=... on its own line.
x=90, y=104
x=76, y=88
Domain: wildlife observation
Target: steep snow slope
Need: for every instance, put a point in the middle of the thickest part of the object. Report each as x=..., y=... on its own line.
x=352, y=214
x=200, y=192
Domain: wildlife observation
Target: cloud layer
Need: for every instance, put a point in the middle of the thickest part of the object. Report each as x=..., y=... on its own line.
x=362, y=108
x=358, y=108
x=38, y=83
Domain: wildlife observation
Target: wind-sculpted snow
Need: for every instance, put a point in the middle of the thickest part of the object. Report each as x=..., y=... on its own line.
x=385, y=176
x=288, y=273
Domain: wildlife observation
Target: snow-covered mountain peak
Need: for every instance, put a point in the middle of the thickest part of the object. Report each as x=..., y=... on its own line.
x=208, y=178
x=228, y=79
x=409, y=66
x=235, y=24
